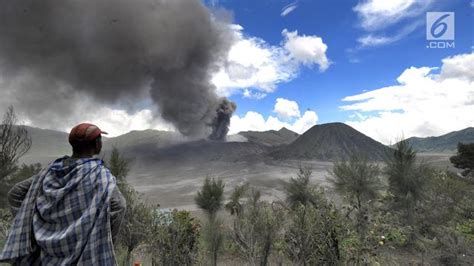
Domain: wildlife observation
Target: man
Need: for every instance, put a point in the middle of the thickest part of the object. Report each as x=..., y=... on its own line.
x=69, y=213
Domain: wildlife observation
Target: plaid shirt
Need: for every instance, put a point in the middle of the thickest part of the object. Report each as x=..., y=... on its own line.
x=65, y=217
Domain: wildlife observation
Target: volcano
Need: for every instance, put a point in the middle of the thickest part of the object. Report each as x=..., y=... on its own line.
x=332, y=141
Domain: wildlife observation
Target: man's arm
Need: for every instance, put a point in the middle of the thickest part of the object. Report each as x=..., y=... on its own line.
x=118, y=205
x=17, y=194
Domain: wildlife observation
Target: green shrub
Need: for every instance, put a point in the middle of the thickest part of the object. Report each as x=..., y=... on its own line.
x=175, y=241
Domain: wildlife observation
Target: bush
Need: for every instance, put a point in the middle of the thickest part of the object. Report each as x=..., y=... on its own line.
x=175, y=238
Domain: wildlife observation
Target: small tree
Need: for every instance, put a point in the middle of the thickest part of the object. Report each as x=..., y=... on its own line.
x=256, y=228
x=406, y=179
x=14, y=143
x=234, y=206
x=210, y=199
x=135, y=226
x=312, y=236
x=119, y=166
x=299, y=190
x=174, y=240
x=464, y=159
x=358, y=181
x=23, y=172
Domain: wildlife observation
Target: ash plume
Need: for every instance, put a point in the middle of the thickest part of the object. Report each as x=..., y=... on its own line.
x=220, y=123
x=114, y=50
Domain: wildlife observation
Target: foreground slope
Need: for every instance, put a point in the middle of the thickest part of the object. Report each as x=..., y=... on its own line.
x=332, y=141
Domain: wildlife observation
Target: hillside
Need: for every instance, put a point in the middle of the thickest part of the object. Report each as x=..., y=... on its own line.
x=271, y=137
x=444, y=143
x=48, y=142
x=155, y=138
x=332, y=141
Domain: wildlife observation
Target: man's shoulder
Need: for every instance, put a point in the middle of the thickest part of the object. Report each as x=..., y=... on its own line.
x=104, y=170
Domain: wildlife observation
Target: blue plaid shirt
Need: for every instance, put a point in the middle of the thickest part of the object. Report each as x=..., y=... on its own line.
x=65, y=217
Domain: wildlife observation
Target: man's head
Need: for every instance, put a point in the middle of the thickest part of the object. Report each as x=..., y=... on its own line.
x=86, y=139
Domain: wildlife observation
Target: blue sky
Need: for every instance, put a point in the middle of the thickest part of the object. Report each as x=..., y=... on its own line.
x=291, y=64
x=354, y=68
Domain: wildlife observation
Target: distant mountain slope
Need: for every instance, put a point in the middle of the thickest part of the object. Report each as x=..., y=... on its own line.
x=444, y=143
x=271, y=137
x=330, y=142
x=198, y=151
x=155, y=138
x=47, y=142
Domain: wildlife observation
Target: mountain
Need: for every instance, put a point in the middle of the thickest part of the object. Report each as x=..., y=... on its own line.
x=48, y=142
x=332, y=141
x=199, y=151
x=271, y=137
x=154, y=138
x=444, y=143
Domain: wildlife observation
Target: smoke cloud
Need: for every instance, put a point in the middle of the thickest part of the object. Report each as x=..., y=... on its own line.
x=117, y=50
x=220, y=123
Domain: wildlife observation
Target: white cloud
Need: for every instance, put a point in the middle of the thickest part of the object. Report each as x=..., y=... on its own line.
x=378, y=14
x=256, y=122
x=307, y=50
x=286, y=109
x=255, y=68
x=118, y=122
x=288, y=9
x=421, y=104
x=371, y=40
x=375, y=16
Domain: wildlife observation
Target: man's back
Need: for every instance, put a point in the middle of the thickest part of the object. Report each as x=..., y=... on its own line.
x=67, y=210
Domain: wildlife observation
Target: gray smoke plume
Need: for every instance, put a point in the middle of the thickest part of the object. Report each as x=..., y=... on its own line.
x=117, y=49
x=220, y=123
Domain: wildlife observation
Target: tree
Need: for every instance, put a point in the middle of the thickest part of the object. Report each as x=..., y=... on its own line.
x=14, y=143
x=298, y=190
x=256, y=227
x=23, y=172
x=136, y=223
x=210, y=199
x=234, y=206
x=119, y=166
x=313, y=234
x=464, y=159
x=174, y=240
x=357, y=180
x=406, y=179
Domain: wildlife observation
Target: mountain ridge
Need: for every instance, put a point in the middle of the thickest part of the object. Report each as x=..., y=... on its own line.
x=443, y=143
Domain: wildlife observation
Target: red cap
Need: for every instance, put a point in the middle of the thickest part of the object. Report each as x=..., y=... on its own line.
x=85, y=132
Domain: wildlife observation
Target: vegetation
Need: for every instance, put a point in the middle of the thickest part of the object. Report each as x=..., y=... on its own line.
x=420, y=215
x=406, y=180
x=14, y=143
x=210, y=200
x=358, y=182
x=313, y=235
x=464, y=159
x=256, y=227
x=174, y=241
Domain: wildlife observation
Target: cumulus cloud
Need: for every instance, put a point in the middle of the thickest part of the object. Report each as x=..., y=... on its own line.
x=255, y=68
x=288, y=9
x=255, y=121
x=286, y=108
x=307, y=50
x=292, y=119
x=422, y=104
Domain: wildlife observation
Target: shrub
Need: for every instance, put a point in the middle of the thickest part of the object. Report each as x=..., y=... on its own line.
x=174, y=238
